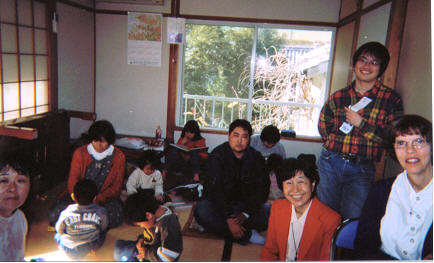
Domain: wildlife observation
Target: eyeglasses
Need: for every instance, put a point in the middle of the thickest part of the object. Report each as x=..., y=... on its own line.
x=417, y=143
x=367, y=61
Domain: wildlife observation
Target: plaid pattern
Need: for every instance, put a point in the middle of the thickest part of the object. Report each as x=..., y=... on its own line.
x=366, y=140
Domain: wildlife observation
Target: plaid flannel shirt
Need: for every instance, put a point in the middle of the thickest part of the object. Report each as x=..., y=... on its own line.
x=366, y=140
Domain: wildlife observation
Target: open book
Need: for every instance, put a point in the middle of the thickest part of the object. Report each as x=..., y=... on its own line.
x=185, y=149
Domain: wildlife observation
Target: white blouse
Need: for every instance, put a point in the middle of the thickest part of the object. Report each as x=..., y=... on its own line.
x=295, y=233
x=407, y=219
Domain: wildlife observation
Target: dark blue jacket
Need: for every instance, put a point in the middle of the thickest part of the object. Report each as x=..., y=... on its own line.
x=242, y=183
x=368, y=240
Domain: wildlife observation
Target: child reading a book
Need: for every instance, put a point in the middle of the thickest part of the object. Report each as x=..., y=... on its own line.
x=81, y=227
x=146, y=176
x=188, y=164
x=161, y=239
x=14, y=188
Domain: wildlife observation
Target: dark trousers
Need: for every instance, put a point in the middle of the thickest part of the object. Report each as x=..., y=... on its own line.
x=215, y=222
x=179, y=170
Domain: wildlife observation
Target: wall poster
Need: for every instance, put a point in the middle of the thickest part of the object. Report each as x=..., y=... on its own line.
x=175, y=30
x=144, y=39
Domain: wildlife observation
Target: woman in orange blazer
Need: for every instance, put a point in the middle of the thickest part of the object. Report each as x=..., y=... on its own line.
x=300, y=227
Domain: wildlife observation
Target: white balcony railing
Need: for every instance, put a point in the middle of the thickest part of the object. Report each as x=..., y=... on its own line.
x=219, y=112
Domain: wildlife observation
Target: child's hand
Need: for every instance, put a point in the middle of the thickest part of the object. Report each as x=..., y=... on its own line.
x=185, y=140
x=196, y=177
x=140, y=249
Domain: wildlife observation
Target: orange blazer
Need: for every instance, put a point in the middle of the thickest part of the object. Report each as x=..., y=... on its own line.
x=321, y=223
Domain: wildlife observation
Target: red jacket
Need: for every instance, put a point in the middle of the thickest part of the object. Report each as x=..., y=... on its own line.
x=321, y=223
x=112, y=185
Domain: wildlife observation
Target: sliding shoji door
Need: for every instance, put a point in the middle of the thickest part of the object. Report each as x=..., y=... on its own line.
x=24, y=59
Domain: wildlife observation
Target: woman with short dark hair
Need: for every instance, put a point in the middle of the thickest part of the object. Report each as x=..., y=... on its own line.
x=396, y=220
x=102, y=163
x=300, y=227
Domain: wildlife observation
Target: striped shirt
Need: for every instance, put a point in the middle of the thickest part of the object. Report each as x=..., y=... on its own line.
x=366, y=140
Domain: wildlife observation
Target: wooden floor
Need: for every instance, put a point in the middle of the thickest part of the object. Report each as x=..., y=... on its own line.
x=40, y=242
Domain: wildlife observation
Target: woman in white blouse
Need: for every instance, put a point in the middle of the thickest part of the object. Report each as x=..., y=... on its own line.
x=396, y=221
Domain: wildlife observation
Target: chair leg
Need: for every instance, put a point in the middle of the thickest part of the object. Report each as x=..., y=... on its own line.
x=227, y=249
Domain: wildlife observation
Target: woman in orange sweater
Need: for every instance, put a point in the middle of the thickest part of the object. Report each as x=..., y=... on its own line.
x=186, y=163
x=102, y=163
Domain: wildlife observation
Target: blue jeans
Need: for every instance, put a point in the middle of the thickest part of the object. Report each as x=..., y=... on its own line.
x=344, y=185
x=215, y=222
x=80, y=251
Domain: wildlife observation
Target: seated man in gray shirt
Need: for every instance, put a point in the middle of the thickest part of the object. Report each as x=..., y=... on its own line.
x=267, y=142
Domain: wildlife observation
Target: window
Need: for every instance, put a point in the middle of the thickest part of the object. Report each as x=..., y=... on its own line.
x=23, y=59
x=266, y=74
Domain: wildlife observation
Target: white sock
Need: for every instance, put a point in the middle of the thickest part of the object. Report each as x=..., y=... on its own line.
x=256, y=238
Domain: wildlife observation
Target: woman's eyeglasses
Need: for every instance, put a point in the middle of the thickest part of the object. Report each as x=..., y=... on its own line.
x=417, y=143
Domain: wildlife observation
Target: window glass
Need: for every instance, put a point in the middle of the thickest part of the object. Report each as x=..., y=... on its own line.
x=24, y=12
x=10, y=68
x=41, y=42
x=11, y=102
x=24, y=55
x=8, y=38
x=41, y=67
x=41, y=93
x=216, y=57
x=39, y=14
x=26, y=41
x=5, y=11
x=266, y=74
x=27, y=73
x=27, y=101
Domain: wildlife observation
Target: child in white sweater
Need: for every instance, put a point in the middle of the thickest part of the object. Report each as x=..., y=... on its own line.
x=146, y=176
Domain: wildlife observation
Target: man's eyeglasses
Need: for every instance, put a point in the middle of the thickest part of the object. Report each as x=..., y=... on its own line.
x=417, y=143
x=367, y=61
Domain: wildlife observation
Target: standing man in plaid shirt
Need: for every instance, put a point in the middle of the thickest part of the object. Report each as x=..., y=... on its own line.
x=351, y=124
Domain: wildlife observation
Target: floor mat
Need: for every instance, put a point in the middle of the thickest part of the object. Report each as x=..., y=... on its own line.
x=193, y=229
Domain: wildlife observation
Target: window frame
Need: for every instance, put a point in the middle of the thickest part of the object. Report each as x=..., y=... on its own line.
x=255, y=26
x=34, y=55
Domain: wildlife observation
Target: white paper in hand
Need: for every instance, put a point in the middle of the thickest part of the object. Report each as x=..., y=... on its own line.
x=347, y=127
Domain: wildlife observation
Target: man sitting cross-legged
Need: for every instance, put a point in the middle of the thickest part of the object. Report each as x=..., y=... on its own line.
x=236, y=188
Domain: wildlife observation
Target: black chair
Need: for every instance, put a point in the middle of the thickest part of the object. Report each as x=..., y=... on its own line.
x=342, y=247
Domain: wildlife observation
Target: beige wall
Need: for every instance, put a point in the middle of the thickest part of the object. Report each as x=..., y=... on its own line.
x=342, y=62
x=75, y=44
x=133, y=98
x=302, y=10
x=414, y=80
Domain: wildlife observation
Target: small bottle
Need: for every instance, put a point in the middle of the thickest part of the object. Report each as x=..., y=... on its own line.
x=158, y=132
